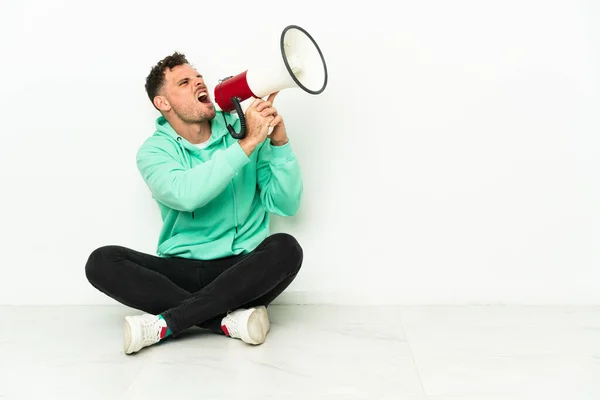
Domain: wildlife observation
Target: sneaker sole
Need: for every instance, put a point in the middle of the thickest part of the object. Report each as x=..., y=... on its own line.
x=129, y=337
x=258, y=326
x=264, y=319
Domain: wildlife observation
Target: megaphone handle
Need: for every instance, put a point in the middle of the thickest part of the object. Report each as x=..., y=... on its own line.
x=238, y=108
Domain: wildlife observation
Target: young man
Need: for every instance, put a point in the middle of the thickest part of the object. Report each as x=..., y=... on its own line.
x=217, y=265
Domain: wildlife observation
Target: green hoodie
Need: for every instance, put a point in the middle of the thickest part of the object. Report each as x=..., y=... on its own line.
x=215, y=201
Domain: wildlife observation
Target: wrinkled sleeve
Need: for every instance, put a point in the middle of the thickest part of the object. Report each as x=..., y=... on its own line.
x=279, y=179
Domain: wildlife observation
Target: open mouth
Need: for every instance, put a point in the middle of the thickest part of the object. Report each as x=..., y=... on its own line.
x=203, y=98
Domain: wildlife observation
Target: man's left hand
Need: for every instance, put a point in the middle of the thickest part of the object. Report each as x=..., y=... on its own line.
x=279, y=135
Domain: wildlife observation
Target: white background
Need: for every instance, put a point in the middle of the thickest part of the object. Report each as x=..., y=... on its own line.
x=452, y=159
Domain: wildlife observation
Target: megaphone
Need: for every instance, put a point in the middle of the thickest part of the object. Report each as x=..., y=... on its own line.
x=297, y=63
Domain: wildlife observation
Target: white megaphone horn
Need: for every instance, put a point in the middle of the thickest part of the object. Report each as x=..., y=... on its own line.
x=297, y=63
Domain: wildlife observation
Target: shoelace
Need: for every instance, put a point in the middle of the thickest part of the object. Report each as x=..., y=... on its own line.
x=232, y=325
x=150, y=332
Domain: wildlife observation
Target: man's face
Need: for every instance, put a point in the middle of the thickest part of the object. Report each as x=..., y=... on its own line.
x=187, y=95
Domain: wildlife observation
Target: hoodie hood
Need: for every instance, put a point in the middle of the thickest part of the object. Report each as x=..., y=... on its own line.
x=217, y=124
x=217, y=137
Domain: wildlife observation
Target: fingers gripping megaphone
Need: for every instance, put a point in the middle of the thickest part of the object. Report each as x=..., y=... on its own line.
x=297, y=63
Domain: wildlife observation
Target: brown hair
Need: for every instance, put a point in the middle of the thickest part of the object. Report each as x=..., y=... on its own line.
x=156, y=78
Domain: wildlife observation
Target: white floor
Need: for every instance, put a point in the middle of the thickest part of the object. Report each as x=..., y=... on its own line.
x=312, y=352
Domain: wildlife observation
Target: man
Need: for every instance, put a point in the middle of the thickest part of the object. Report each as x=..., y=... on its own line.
x=217, y=266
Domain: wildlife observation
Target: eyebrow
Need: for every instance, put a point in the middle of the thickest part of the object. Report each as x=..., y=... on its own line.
x=187, y=79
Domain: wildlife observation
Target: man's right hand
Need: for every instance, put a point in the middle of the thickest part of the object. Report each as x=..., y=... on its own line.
x=257, y=123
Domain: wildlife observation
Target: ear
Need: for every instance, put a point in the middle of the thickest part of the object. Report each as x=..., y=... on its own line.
x=162, y=103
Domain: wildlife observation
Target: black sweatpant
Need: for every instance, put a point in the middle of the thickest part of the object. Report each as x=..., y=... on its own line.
x=193, y=292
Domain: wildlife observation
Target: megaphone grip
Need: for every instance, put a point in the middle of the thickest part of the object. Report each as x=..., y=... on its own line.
x=238, y=108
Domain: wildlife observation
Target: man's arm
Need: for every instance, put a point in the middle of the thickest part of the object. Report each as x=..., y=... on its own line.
x=188, y=189
x=279, y=179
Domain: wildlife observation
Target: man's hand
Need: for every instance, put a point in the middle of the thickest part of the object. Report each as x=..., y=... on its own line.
x=259, y=117
x=279, y=134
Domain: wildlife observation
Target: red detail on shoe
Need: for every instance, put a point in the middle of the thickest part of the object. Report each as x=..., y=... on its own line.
x=225, y=331
x=163, y=332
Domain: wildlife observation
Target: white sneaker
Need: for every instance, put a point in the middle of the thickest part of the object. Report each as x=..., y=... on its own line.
x=251, y=325
x=141, y=331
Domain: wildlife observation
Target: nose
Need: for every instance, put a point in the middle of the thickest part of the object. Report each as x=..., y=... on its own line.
x=199, y=82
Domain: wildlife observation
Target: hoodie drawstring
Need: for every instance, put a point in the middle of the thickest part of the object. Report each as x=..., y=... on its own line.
x=187, y=157
x=235, y=216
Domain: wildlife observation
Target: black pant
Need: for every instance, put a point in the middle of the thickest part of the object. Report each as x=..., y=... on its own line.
x=192, y=292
